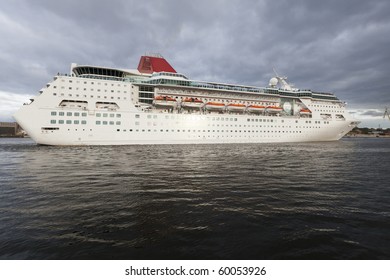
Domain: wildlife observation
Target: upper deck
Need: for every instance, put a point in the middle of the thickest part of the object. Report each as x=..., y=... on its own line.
x=166, y=76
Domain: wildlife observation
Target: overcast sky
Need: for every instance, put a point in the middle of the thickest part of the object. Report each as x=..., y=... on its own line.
x=335, y=46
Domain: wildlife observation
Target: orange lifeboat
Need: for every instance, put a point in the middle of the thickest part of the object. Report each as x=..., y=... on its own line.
x=165, y=98
x=305, y=112
x=165, y=101
x=236, y=107
x=191, y=102
x=255, y=109
x=215, y=106
x=274, y=109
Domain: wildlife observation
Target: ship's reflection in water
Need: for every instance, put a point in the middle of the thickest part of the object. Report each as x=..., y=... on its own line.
x=265, y=201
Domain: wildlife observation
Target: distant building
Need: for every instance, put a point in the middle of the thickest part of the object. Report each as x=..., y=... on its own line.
x=10, y=129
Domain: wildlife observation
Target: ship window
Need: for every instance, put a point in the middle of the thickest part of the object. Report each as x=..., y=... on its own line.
x=98, y=115
x=98, y=122
x=118, y=115
x=69, y=114
x=61, y=121
x=76, y=122
x=111, y=123
x=105, y=115
x=54, y=113
x=105, y=123
x=53, y=121
x=84, y=114
x=112, y=115
x=83, y=122
x=68, y=122
x=137, y=116
x=76, y=114
x=118, y=123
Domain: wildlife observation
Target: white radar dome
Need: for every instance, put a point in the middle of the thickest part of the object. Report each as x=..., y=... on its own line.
x=273, y=82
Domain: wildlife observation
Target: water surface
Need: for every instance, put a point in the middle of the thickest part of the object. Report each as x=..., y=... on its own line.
x=325, y=200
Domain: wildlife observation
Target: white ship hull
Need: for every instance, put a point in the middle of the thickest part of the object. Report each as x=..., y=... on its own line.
x=85, y=110
x=181, y=129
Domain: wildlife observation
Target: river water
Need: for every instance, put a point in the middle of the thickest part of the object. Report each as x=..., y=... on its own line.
x=326, y=200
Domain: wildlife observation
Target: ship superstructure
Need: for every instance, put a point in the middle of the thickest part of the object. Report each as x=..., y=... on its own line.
x=156, y=105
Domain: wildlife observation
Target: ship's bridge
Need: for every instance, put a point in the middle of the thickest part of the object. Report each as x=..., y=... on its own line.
x=100, y=71
x=104, y=73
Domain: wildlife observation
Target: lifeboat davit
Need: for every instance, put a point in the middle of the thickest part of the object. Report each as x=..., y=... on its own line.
x=214, y=106
x=305, y=112
x=256, y=109
x=236, y=107
x=165, y=101
x=274, y=109
x=192, y=103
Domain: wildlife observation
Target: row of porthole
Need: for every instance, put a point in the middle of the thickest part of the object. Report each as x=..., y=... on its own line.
x=83, y=122
x=68, y=114
x=209, y=131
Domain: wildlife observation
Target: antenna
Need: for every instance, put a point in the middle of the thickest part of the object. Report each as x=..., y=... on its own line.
x=386, y=113
x=282, y=81
x=276, y=73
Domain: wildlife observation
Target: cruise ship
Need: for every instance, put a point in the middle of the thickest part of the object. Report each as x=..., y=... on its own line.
x=154, y=104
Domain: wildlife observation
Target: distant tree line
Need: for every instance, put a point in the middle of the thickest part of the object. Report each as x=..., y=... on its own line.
x=367, y=130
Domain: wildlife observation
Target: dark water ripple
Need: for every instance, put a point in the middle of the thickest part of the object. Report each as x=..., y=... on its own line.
x=268, y=201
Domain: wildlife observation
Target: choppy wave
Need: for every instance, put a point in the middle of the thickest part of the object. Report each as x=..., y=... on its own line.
x=255, y=201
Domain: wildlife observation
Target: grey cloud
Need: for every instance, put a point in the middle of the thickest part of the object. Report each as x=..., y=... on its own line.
x=373, y=113
x=337, y=46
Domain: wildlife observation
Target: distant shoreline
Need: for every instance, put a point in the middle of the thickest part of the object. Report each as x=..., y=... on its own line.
x=366, y=136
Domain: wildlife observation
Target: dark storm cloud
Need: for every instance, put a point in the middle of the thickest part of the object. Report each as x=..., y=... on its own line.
x=338, y=46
